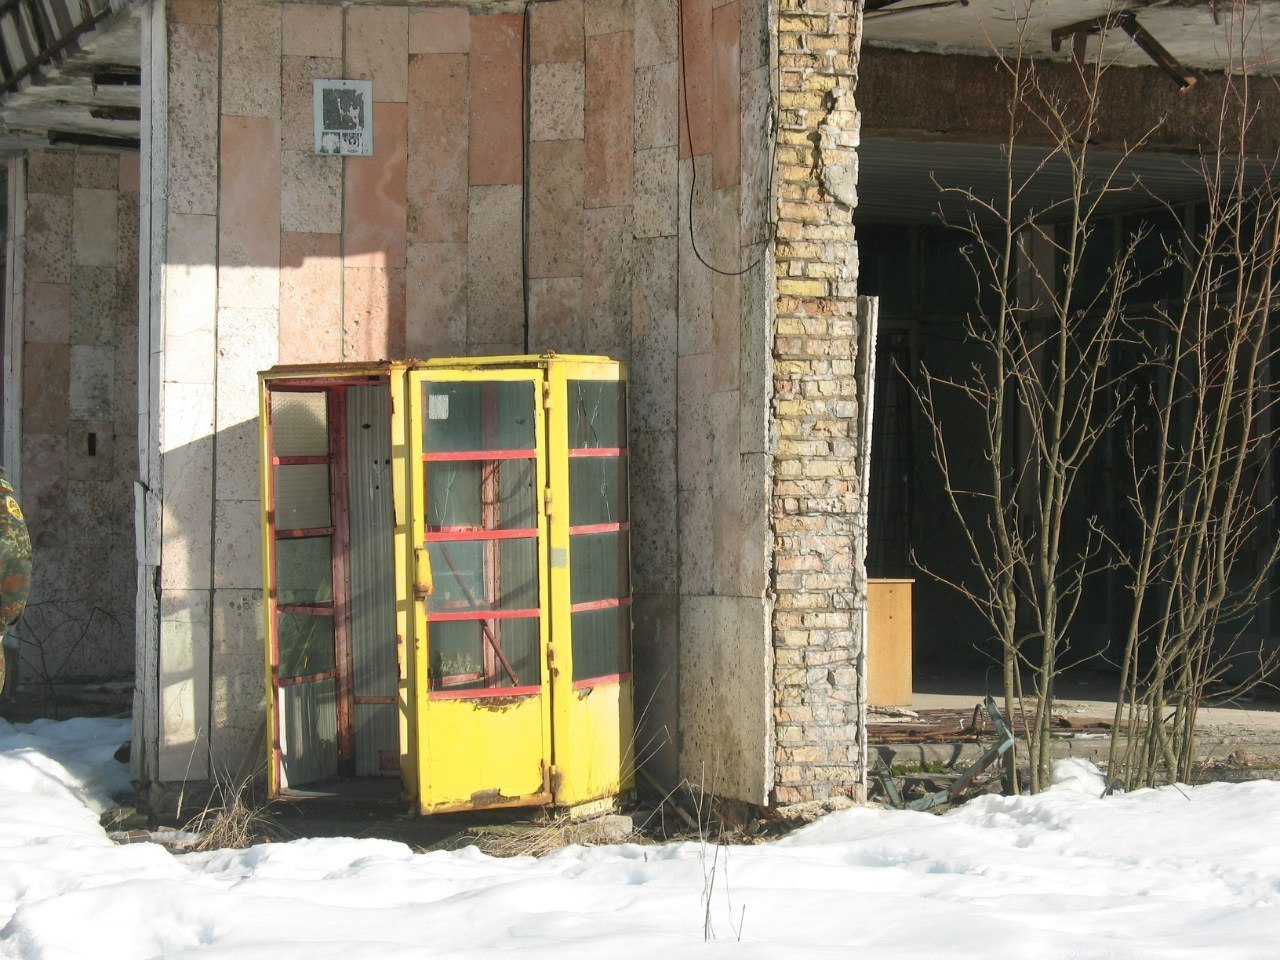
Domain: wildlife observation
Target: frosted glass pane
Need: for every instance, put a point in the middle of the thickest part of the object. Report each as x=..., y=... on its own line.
x=302, y=496
x=299, y=424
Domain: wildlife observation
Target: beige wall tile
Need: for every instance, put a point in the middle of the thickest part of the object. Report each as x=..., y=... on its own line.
x=49, y=238
x=656, y=32
x=310, y=192
x=495, y=298
x=311, y=30
x=94, y=227
x=97, y=171
x=251, y=58
x=656, y=100
x=654, y=193
x=555, y=208
x=556, y=92
x=378, y=50
x=653, y=331
x=608, y=16
x=555, y=316
x=193, y=113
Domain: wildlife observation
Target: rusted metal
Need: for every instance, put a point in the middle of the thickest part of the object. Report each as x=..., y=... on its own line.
x=341, y=560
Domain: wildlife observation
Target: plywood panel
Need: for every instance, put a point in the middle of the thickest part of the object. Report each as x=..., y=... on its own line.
x=889, y=643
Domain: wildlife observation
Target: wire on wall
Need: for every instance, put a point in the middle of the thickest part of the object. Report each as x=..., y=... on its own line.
x=775, y=119
x=526, y=71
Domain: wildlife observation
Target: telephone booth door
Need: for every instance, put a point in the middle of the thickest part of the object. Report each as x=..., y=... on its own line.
x=477, y=479
x=334, y=658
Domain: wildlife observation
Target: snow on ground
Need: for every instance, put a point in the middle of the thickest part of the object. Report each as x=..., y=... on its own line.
x=1178, y=872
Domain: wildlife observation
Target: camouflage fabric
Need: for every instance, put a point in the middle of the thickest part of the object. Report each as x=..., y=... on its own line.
x=15, y=556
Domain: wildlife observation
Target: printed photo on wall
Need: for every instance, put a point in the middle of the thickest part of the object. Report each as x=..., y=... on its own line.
x=343, y=117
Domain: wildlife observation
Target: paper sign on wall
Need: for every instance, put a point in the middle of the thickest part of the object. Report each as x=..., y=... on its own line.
x=343, y=117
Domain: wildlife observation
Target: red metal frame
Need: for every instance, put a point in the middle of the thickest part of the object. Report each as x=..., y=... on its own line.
x=462, y=534
x=439, y=616
x=485, y=693
x=601, y=604
x=599, y=451
x=479, y=455
x=599, y=528
x=601, y=681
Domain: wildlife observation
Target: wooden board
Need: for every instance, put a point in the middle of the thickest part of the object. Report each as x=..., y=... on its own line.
x=889, y=643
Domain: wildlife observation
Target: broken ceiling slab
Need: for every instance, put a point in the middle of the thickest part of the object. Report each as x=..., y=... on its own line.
x=1196, y=33
x=91, y=96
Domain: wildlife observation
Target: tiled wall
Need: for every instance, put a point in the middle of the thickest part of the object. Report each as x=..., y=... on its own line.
x=75, y=293
x=266, y=252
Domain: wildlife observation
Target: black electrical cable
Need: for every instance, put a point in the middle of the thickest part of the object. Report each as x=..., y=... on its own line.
x=693, y=161
x=526, y=71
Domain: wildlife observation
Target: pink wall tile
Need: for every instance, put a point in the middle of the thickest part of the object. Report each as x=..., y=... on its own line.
x=497, y=93
x=726, y=86
x=436, y=300
x=438, y=148
x=378, y=50
x=373, y=313
x=311, y=30
x=130, y=178
x=695, y=83
x=48, y=312
x=194, y=11
x=46, y=384
x=375, y=194
x=249, y=213
x=609, y=132
x=556, y=31
x=445, y=30
x=310, y=298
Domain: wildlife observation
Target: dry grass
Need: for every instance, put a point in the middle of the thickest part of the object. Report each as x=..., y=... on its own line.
x=537, y=840
x=234, y=818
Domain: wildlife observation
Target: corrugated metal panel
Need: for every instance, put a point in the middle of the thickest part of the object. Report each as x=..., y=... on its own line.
x=377, y=740
x=308, y=732
x=373, y=623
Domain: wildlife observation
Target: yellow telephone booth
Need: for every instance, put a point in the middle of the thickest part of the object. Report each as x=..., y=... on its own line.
x=445, y=550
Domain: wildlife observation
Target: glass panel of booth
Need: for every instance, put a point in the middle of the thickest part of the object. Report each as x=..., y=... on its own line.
x=479, y=452
x=599, y=531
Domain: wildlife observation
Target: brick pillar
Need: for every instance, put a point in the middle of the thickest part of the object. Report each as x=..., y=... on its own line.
x=816, y=500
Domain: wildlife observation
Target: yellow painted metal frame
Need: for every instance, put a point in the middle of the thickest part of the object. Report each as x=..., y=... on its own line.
x=593, y=728
x=481, y=752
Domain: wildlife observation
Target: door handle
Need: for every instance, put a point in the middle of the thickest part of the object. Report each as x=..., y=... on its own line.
x=423, y=586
